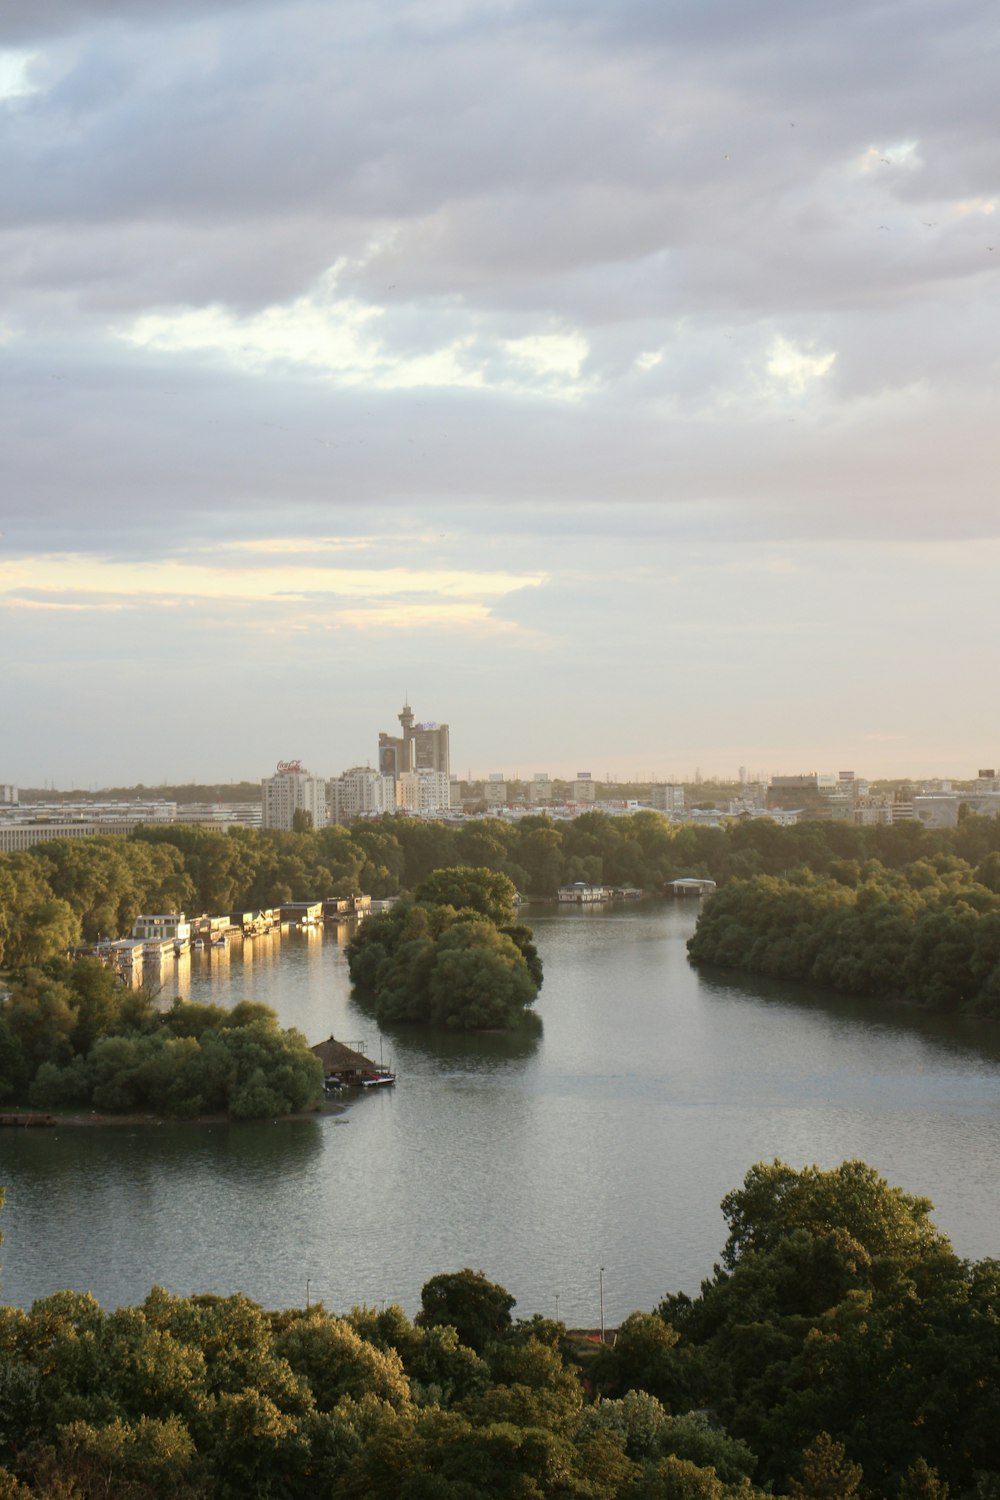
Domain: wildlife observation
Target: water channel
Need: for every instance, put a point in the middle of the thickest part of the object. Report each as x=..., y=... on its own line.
x=608, y=1140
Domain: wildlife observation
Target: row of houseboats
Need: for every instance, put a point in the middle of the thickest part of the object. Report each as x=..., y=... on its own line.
x=159, y=937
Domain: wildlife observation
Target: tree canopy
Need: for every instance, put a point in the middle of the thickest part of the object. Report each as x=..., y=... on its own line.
x=72, y=1037
x=431, y=960
x=842, y=1350
x=928, y=931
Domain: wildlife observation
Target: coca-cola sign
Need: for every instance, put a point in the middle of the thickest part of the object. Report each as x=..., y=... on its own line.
x=289, y=765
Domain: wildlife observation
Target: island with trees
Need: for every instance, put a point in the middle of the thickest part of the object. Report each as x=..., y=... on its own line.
x=73, y=1038
x=927, y=932
x=452, y=955
x=840, y=1349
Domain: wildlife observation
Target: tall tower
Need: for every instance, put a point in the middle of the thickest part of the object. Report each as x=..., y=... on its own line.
x=394, y=749
x=420, y=747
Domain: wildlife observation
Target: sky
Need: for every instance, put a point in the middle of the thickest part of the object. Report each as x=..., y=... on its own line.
x=616, y=383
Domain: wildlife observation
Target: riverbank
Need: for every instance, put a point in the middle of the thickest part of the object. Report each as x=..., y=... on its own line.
x=17, y=1119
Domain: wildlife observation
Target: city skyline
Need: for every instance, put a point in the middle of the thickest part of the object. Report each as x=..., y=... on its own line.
x=618, y=385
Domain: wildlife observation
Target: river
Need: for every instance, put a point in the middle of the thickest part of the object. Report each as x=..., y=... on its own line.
x=608, y=1140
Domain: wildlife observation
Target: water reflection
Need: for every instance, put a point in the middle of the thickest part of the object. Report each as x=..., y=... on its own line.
x=608, y=1138
x=479, y=1051
x=970, y=1039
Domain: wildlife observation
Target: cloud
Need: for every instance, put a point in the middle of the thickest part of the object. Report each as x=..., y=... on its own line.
x=391, y=595
x=793, y=369
x=461, y=326
x=351, y=343
x=15, y=75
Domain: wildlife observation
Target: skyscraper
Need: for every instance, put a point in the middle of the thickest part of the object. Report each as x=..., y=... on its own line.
x=420, y=747
x=290, y=790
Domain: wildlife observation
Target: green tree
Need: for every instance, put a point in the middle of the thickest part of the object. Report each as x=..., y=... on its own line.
x=826, y=1473
x=477, y=1308
x=486, y=891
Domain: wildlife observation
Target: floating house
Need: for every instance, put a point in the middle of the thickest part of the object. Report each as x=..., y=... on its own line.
x=348, y=1066
x=302, y=913
x=162, y=927
x=689, y=885
x=584, y=894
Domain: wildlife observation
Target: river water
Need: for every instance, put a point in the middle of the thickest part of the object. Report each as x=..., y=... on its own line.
x=608, y=1140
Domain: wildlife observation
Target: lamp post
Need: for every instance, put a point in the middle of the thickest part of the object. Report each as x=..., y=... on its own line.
x=557, y=1307
x=308, y=1280
x=602, y=1304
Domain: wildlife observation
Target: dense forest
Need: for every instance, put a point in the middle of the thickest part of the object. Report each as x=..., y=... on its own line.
x=928, y=932
x=840, y=1349
x=56, y=893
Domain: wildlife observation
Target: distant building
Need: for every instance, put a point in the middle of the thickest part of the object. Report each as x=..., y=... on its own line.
x=159, y=926
x=25, y=834
x=811, y=793
x=666, y=798
x=495, y=790
x=583, y=894
x=220, y=814
x=540, y=788
x=584, y=788
x=420, y=747
x=360, y=792
x=423, y=791
x=8, y=795
x=689, y=885
x=290, y=790
x=941, y=809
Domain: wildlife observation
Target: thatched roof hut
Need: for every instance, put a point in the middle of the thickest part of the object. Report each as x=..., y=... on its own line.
x=341, y=1061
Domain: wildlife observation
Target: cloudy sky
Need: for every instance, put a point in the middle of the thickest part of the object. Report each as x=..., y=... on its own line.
x=616, y=380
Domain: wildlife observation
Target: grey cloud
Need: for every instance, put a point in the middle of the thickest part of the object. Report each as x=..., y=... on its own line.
x=632, y=172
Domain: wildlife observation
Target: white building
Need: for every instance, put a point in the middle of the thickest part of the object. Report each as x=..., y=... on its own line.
x=290, y=790
x=423, y=791
x=360, y=792
x=159, y=926
x=584, y=788
x=495, y=790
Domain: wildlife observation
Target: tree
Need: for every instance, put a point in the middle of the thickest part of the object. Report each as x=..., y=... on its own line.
x=827, y=1473
x=480, y=979
x=431, y=960
x=645, y=1357
x=775, y=1199
x=482, y=890
x=478, y=1309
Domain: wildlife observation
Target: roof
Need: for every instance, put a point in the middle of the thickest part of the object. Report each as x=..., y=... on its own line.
x=337, y=1057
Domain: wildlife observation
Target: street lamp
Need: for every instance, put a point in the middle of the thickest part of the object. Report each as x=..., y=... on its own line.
x=602, y=1304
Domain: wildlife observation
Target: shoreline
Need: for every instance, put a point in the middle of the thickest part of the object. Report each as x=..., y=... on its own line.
x=38, y=1119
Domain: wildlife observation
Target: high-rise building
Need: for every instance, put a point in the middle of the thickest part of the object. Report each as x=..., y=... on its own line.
x=420, y=747
x=540, y=788
x=360, y=792
x=584, y=788
x=290, y=790
x=666, y=797
x=423, y=790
